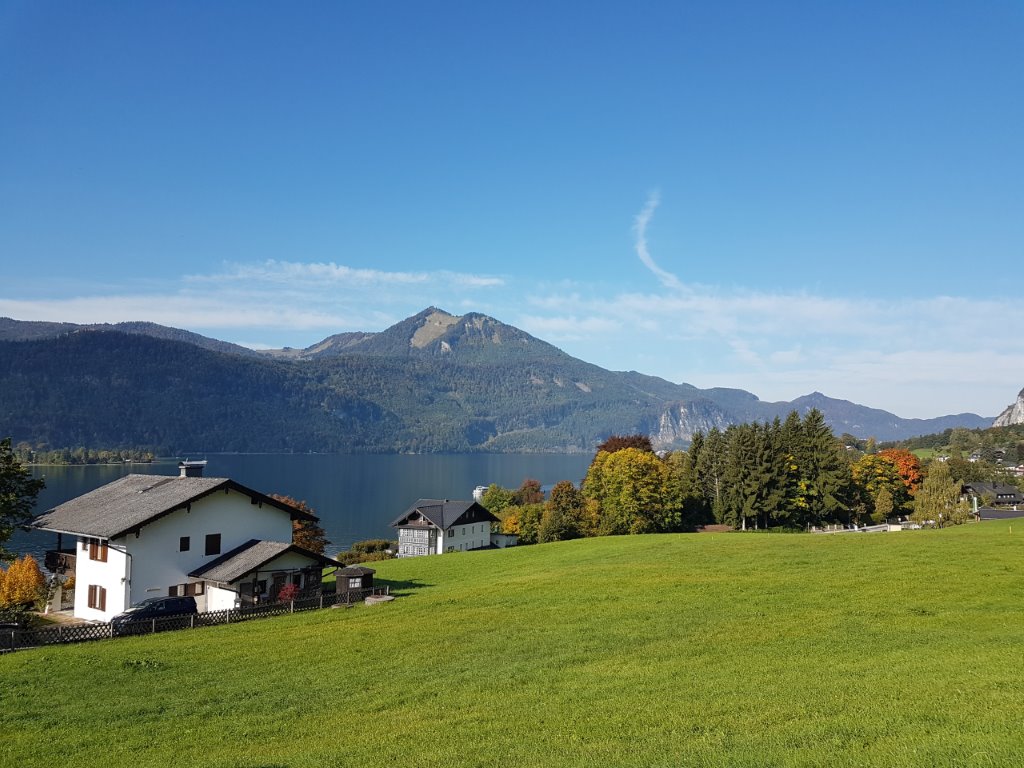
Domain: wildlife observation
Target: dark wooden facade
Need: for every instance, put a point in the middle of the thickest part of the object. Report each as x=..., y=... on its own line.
x=354, y=578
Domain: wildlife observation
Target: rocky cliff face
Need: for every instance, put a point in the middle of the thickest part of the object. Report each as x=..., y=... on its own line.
x=679, y=422
x=1014, y=414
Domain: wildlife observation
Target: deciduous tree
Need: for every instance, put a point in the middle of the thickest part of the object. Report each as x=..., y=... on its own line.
x=883, y=506
x=22, y=584
x=620, y=442
x=497, y=499
x=305, y=533
x=938, y=502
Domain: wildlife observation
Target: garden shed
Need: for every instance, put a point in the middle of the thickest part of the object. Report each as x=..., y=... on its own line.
x=354, y=578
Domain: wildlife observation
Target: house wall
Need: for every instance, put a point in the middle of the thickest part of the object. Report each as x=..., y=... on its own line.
x=111, y=575
x=220, y=599
x=462, y=537
x=157, y=563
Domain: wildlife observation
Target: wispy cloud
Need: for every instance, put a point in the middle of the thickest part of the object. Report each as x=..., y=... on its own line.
x=303, y=273
x=640, y=224
x=272, y=296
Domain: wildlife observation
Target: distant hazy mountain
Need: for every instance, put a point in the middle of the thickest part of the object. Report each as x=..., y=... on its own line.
x=433, y=382
x=20, y=330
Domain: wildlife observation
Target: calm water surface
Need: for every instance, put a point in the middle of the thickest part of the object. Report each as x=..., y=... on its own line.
x=356, y=496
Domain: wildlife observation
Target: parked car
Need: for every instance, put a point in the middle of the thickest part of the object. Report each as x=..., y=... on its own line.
x=131, y=620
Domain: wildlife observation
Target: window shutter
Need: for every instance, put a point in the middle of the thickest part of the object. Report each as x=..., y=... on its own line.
x=103, y=598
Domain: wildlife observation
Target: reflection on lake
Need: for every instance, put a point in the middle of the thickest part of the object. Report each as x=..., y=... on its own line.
x=356, y=496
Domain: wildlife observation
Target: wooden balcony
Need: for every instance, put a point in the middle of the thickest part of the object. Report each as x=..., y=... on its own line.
x=60, y=561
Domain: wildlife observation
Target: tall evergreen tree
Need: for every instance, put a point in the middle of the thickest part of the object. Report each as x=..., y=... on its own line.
x=18, y=491
x=710, y=472
x=825, y=473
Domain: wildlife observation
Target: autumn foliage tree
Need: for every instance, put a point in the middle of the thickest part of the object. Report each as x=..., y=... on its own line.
x=629, y=485
x=305, y=533
x=22, y=584
x=621, y=442
x=907, y=465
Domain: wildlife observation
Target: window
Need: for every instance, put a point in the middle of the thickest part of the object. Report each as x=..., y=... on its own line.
x=98, y=550
x=97, y=597
x=186, y=590
x=297, y=579
x=356, y=582
x=184, y=544
x=213, y=544
x=463, y=531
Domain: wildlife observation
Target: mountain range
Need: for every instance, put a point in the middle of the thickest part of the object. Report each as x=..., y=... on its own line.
x=434, y=382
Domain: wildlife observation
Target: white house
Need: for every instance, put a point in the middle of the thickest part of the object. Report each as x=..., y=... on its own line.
x=149, y=535
x=435, y=526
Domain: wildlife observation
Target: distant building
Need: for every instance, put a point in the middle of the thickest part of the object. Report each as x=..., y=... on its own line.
x=435, y=526
x=1000, y=495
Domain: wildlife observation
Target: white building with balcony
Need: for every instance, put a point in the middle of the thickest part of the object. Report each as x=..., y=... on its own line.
x=436, y=526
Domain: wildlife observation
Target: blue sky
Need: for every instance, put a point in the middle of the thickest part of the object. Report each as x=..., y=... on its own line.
x=783, y=197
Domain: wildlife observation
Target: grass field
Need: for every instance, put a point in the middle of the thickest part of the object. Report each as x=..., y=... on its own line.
x=679, y=650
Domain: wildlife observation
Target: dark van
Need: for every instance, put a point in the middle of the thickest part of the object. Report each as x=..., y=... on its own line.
x=151, y=608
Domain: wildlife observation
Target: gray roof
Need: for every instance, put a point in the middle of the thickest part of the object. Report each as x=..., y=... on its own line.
x=249, y=557
x=356, y=570
x=444, y=513
x=134, y=500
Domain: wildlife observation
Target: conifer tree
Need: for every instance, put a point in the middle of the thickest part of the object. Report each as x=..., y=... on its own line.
x=825, y=473
x=710, y=471
x=18, y=491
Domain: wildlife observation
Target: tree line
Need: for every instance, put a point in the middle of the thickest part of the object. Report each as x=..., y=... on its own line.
x=27, y=454
x=790, y=474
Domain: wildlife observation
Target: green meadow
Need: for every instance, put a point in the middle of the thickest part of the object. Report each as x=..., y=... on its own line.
x=900, y=649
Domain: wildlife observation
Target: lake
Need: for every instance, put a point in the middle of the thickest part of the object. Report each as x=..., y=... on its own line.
x=355, y=496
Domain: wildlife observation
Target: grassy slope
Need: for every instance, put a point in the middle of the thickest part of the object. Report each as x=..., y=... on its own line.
x=745, y=650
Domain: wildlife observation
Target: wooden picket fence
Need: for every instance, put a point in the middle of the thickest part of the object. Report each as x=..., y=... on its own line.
x=19, y=639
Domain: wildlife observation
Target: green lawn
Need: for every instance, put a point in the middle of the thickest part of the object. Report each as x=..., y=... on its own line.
x=679, y=650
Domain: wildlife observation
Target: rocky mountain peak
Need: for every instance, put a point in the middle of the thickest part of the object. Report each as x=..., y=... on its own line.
x=1014, y=413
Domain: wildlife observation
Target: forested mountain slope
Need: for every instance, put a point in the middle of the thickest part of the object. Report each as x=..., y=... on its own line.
x=433, y=382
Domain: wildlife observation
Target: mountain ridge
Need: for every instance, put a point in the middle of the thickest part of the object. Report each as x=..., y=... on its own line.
x=432, y=382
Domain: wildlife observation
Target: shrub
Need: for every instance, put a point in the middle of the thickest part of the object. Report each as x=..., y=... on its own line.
x=288, y=592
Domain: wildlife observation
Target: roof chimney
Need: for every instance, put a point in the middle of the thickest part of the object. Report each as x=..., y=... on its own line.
x=191, y=468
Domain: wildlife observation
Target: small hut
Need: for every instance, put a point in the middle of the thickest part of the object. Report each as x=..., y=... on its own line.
x=354, y=578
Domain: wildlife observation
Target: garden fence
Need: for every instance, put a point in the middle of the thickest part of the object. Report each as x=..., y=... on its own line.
x=18, y=639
